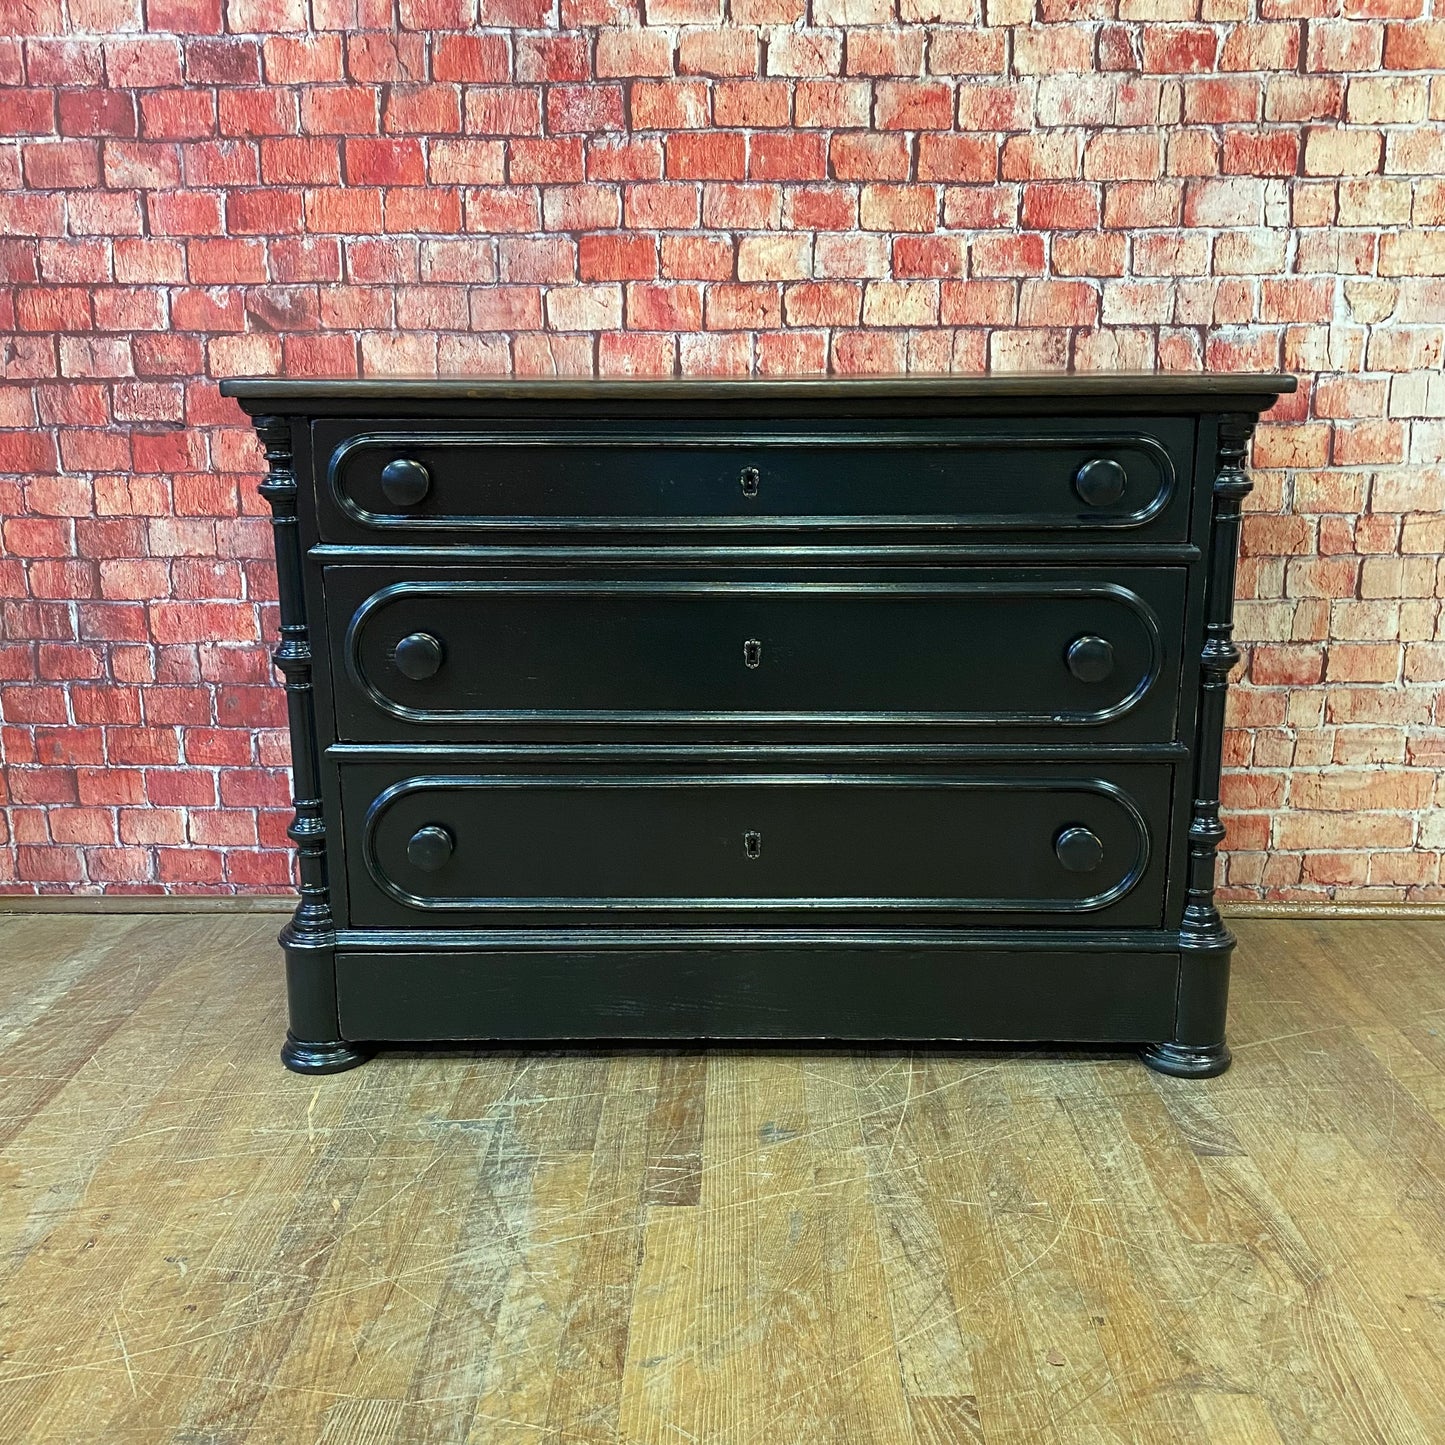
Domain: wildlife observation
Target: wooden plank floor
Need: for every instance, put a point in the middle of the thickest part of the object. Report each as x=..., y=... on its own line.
x=741, y=1247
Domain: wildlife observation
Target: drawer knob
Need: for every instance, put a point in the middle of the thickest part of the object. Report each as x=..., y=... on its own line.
x=1079, y=850
x=1100, y=482
x=1090, y=658
x=405, y=482
x=420, y=655
x=429, y=848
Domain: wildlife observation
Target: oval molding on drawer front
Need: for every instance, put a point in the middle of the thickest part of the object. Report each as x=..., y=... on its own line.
x=572, y=830
x=643, y=481
x=983, y=653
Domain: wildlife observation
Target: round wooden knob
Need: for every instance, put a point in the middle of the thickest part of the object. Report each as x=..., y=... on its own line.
x=1090, y=658
x=420, y=655
x=405, y=482
x=1079, y=850
x=1100, y=482
x=429, y=848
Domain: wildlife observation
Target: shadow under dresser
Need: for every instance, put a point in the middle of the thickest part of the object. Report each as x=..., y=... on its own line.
x=882, y=709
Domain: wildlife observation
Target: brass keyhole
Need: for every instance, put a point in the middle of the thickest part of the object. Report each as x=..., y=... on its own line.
x=753, y=845
x=749, y=480
x=752, y=653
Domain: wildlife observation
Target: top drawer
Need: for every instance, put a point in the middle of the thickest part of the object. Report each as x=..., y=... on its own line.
x=1128, y=477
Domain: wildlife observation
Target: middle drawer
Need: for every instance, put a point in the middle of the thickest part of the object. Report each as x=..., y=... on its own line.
x=445, y=652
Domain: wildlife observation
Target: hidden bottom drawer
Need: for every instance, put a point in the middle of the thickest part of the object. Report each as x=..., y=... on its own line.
x=516, y=846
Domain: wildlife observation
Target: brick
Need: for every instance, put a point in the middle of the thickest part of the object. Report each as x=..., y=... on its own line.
x=913, y=105
x=669, y=105
x=1060, y=207
x=898, y=208
x=1041, y=157
x=717, y=52
x=664, y=307
x=584, y=308
x=805, y=53
x=584, y=108
x=471, y=58
x=957, y=158
x=1058, y=303
x=784, y=257
x=423, y=110
x=633, y=53
x=717, y=156
x=1302, y=98
x=663, y=206
x=1342, y=153
x=831, y=103
x=900, y=303
x=1386, y=100
x=745, y=208
x=378, y=162
x=1181, y=49
x=1363, y=662
x=1271, y=153
x=794, y=157
x=926, y=256
x=823, y=303
x=1320, y=831
x=697, y=257
x=1343, y=790
x=1217, y=101
x=467, y=162
x=869, y=352
x=753, y=104
x=1007, y=256
x=1050, y=49
x=502, y=110
x=978, y=303
x=715, y=355
x=617, y=258
x=742, y=307
x=1414, y=46
x=1261, y=47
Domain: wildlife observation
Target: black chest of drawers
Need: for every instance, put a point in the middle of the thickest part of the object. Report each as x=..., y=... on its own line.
x=883, y=709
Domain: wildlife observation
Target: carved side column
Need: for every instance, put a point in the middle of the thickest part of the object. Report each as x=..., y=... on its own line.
x=1198, y=1048
x=313, y=1040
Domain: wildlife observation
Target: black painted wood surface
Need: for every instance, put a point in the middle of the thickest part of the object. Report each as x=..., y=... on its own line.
x=1107, y=474
x=778, y=845
x=1023, y=650
x=885, y=708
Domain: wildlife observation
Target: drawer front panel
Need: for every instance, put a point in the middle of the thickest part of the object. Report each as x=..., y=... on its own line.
x=1116, y=476
x=1084, y=845
x=1045, y=650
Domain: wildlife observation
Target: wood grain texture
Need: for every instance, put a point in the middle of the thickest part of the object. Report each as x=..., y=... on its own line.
x=731, y=1246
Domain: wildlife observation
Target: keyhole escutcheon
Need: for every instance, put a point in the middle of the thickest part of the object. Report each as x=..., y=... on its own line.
x=749, y=481
x=752, y=653
x=753, y=845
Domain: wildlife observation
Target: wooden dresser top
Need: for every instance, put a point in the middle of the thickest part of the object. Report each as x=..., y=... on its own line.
x=1016, y=392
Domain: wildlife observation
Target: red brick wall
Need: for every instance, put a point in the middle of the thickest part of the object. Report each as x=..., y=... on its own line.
x=194, y=189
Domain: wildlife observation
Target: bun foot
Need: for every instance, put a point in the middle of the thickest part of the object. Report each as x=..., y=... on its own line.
x=332, y=1057
x=1186, y=1061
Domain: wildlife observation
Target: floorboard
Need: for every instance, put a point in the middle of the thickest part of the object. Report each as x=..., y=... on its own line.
x=731, y=1247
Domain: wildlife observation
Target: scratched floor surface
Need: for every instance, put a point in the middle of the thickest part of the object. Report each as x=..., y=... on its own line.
x=746, y=1248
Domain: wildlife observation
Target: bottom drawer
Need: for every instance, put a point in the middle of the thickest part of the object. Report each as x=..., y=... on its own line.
x=454, y=848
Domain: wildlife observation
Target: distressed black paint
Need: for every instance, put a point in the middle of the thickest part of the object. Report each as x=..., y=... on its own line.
x=814, y=709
